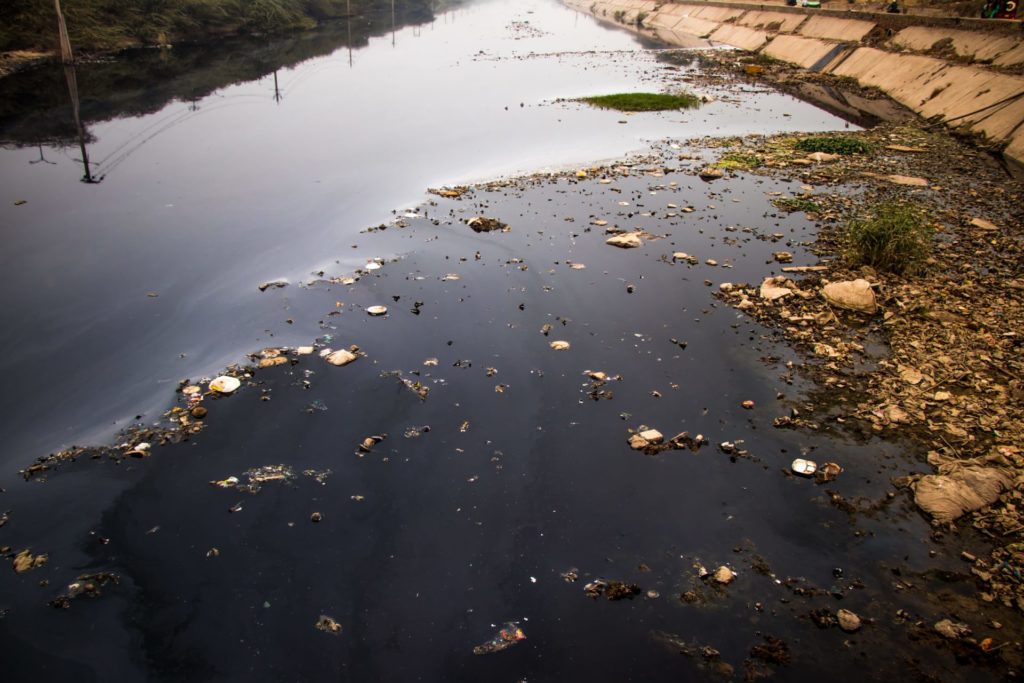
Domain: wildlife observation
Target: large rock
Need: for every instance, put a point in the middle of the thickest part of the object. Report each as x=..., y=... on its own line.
x=853, y=295
x=947, y=497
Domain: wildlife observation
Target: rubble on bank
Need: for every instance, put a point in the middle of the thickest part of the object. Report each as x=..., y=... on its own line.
x=951, y=377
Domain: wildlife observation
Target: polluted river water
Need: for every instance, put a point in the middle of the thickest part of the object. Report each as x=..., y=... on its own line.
x=460, y=502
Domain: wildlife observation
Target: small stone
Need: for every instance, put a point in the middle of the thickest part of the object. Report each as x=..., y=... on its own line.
x=904, y=148
x=316, y=517
x=724, y=576
x=822, y=157
x=199, y=412
x=848, y=621
x=627, y=240
x=782, y=256
x=951, y=629
x=772, y=290
x=711, y=173
x=906, y=180
x=340, y=357
x=652, y=436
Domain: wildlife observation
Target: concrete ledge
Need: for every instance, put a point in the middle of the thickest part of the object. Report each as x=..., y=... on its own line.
x=696, y=26
x=1015, y=150
x=979, y=47
x=740, y=36
x=680, y=38
x=1011, y=58
x=719, y=14
x=805, y=52
x=903, y=77
x=779, y=22
x=834, y=28
x=978, y=99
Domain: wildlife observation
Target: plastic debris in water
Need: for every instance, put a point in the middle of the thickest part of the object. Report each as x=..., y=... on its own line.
x=225, y=384
x=316, y=406
x=506, y=637
x=803, y=467
x=328, y=625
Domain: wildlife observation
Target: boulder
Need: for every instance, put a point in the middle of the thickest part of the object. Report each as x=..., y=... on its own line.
x=853, y=295
x=947, y=497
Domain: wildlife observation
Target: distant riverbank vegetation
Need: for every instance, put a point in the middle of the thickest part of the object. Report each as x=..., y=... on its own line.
x=107, y=25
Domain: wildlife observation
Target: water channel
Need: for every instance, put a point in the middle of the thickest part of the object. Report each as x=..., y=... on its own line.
x=214, y=169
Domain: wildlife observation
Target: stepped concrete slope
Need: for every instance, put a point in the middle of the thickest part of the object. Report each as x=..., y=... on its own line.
x=965, y=73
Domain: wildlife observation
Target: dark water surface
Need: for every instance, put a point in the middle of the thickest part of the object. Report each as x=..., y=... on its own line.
x=201, y=201
x=508, y=473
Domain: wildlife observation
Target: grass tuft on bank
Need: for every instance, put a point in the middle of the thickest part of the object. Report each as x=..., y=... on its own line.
x=890, y=236
x=644, y=101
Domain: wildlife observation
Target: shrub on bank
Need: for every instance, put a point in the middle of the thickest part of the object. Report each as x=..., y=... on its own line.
x=96, y=25
x=890, y=236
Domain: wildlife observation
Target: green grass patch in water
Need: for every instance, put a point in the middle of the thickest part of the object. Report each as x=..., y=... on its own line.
x=644, y=101
x=833, y=145
x=738, y=161
x=796, y=204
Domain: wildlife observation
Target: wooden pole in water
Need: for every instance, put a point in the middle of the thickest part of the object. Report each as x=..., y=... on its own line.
x=65, y=42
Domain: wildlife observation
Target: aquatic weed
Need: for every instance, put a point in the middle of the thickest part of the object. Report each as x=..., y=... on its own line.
x=796, y=204
x=644, y=101
x=834, y=145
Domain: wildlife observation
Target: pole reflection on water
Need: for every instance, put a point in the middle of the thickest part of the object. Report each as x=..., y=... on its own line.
x=72, y=81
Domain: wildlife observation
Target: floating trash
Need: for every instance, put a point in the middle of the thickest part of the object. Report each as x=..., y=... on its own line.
x=316, y=406
x=829, y=471
x=805, y=468
x=559, y=345
x=415, y=432
x=506, y=637
x=340, y=357
x=225, y=384
x=328, y=625
x=377, y=310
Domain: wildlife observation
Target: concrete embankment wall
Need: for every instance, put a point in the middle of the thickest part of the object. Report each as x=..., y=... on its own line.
x=962, y=72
